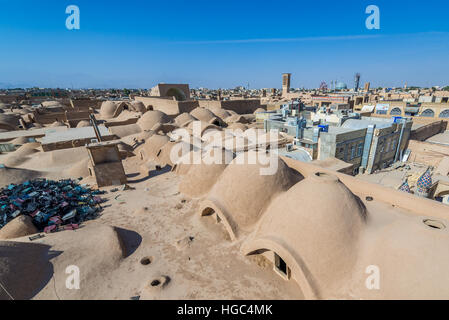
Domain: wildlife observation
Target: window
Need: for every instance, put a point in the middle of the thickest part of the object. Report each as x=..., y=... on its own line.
x=393, y=145
x=352, y=152
x=427, y=113
x=444, y=114
x=360, y=150
x=396, y=112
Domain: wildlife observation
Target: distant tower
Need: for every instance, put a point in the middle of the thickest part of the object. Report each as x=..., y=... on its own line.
x=356, y=82
x=286, y=83
x=405, y=86
x=367, y=86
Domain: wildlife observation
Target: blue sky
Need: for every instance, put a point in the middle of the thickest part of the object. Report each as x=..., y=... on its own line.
x=221, y=44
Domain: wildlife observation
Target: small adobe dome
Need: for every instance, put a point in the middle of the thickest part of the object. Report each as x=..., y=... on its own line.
x=202, y=126
x=184, y=119
x=236, y=118
x=200, y=178
x=259, y=110
x=151, y=147
x=110, y=109
x=245, y=189
x=222, y=113
x=83, y=123
x=314, y=227
x=172, y=151
x=205, y=115
x=150, y=118
x=138, y=106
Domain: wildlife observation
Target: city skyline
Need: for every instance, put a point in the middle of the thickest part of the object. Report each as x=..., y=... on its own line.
x=222, y=46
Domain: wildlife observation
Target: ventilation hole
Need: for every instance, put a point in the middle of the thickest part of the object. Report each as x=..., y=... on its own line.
x=207, y=212
x=434, y=224
x=369, y=198
x=155, y=283
x=146, y=261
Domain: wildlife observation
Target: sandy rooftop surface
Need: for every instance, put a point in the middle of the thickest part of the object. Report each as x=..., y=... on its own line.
x=148, y=235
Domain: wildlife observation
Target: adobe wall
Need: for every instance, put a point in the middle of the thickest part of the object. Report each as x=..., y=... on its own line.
x=243, y=106
x=429, y=130
x=85, y=103
x=419, y=120
x=168, y=106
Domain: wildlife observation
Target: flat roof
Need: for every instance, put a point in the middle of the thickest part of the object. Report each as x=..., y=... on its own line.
x=74, y=133
x=30, y=133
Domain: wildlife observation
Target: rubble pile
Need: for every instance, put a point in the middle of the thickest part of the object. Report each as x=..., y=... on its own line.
x=53, y=205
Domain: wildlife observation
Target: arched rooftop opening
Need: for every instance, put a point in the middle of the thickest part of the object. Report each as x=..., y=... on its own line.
x=178, y=94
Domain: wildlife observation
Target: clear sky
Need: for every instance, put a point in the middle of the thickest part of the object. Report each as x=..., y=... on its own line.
x=222, y=44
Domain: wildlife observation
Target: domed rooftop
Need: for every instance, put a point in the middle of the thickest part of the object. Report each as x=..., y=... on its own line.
x=150, y=149
x=184, y=119
x=138, y=106
x=314, y=227
x=199, y=178
x=245, y=188
x=150, y=118
x=341, y=86
x=110, y=109
x=206, y=115
x=222, y=113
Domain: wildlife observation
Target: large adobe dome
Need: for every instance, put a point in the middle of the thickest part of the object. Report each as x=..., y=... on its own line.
x=198, y=128
x=222, y=113
x=110, y=109
x=314, y=227
x=151, y=147
x=200, y=178
x=206, y=115
x=138, y=106
x=184, y=119
x=242, y=193
x=152, y=117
